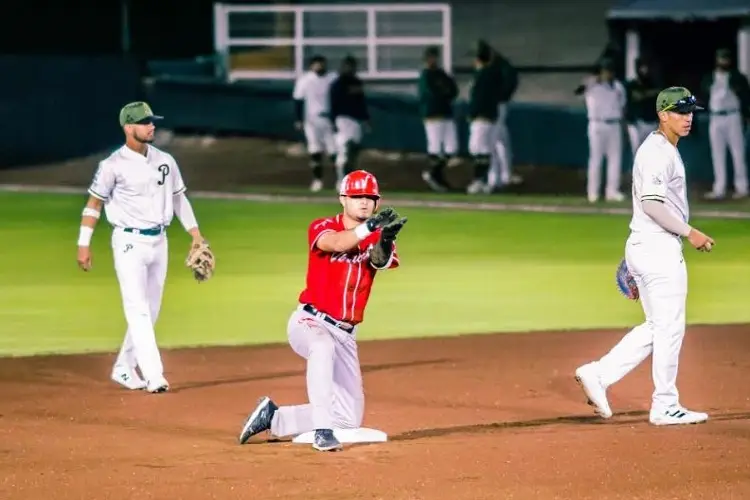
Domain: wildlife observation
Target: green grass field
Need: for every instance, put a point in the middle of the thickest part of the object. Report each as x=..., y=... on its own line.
x=462, y=272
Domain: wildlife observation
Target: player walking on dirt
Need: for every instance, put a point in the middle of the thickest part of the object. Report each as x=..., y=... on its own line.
x=653, y=254
x=344, y=254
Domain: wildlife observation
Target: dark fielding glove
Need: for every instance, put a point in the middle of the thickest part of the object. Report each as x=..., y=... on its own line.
x=381, y=252
x=626, y=282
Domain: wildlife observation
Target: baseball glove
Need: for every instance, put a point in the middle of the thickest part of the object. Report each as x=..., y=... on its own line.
x=626, y=282
x=201, y=261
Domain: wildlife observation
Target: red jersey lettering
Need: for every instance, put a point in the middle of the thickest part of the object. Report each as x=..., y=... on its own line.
x=339, y=284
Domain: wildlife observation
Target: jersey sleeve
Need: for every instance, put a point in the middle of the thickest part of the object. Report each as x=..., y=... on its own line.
x=178, y=183
x=300, y=87
x=103, y=182
x=317, y=229
x=655, y=176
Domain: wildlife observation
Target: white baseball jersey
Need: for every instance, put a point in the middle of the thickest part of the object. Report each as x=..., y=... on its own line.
x=605, y=101
x=137, y=190
x=659, y=175
x=722, y=97
x=314, y=90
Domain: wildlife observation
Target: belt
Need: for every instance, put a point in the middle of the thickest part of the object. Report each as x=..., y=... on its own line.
x=152, y=231
x=609, y=120
x=348, y=328
x=726, y=112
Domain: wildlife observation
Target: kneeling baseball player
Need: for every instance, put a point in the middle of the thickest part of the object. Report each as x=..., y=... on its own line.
x=344, y=254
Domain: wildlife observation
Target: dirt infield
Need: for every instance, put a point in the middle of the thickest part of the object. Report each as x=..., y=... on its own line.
x=475, y=417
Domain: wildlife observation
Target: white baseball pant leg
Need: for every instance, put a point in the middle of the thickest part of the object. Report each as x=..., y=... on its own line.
x=141, y=268
x=726, y=131
x=657, y=264
x=319, y=136
x=442, y=137
x=348, y=130
x=605, y=142
x=500, y=163
x=334, y=379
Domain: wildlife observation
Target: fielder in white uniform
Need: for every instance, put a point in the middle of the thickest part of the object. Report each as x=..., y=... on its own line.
x=729, y=106
x=653, y=253
x=140, y=188
x=605, y=106
x=313, y=116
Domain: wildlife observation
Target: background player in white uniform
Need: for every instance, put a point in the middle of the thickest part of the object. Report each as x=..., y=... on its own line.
x=140, y=188
x=729, y=105
x=313, y=116
x=653, y=253
x=605, y=106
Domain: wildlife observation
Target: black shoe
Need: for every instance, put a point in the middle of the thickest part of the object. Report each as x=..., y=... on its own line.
x=325, y=440
x=259, y=420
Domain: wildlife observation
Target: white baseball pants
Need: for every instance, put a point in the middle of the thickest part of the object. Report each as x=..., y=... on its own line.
x=141, y=268
x=726, y=131
x=480, y=138
x=657, y=264
x=348, y=130
x=501, y=161
x=334, y=379
x=605, y=142
x=442, y=137
x=319, y=136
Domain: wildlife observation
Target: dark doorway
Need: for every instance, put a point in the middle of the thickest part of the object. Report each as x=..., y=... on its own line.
x=685, y=51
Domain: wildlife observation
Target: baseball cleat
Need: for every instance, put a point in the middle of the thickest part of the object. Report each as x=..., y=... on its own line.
x=158, y=386
x=128, y=378
x=595, y=392
x=259, y=420
x=326, y=441
x=676, y=415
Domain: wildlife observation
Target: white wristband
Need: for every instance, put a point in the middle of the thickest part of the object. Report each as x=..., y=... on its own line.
x=84, y=236
x=362, y=232
x=90, y=212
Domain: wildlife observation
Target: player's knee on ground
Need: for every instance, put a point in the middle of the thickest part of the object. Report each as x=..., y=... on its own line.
x=349, y=414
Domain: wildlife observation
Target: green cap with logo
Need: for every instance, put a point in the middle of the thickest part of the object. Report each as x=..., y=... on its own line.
x=136, y=113
x=676, y=99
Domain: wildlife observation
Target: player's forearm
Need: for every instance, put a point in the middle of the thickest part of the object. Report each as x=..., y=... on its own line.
x=662, y=216
x=89, y=217
x=184, y=212
x=299, y=109
x=381, y=253
x=343, y=241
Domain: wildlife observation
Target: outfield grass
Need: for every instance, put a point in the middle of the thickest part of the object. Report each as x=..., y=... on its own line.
x=462, y=272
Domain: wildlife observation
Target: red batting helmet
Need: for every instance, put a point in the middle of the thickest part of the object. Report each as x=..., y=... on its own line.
x=360, y=183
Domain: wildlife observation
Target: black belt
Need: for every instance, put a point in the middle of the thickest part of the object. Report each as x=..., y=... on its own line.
x=328, y=319
x=610, y=121
x=152, y=231
x=725, y=113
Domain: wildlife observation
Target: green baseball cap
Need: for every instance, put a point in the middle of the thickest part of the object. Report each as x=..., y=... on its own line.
x=137, y=112
x=677, y=99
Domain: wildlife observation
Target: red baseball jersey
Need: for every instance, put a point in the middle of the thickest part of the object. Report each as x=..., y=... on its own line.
x=339, y=284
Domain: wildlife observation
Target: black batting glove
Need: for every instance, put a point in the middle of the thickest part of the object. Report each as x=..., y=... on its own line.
x=381, y=219
x=391, y=230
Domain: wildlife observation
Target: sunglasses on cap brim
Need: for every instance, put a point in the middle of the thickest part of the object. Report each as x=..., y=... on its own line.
x=684, y=105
